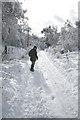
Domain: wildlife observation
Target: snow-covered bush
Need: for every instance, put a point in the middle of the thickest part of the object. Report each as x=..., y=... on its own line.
x=14, y=53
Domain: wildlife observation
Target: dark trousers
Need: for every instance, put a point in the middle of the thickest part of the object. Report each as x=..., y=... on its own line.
x=32, y=65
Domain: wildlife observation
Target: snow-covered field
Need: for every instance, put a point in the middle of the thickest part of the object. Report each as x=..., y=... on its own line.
x=49, y=92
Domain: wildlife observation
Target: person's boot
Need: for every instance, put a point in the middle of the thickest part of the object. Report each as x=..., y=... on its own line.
x=32, y=68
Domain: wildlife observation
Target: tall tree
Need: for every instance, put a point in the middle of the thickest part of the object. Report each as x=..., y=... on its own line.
x=68, y=40
x=51, y=35
x=12, y=31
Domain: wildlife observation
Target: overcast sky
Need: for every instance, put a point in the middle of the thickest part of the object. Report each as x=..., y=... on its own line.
x=42, y=13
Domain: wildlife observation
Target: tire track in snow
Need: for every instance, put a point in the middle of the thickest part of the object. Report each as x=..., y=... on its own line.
x=53, y=75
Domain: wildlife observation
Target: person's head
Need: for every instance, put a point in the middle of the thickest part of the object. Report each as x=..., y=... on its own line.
x=35, y=47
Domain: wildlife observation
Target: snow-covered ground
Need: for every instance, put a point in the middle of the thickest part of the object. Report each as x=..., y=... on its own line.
x=49, y=92
x=14, y=53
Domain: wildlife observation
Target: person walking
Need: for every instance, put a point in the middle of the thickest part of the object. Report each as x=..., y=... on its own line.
x=33, y=56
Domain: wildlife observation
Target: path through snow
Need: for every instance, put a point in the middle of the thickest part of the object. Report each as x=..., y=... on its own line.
x=44, y=93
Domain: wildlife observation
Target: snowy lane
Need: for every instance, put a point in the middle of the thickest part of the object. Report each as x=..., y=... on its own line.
x=44, y=93
x=59, y=86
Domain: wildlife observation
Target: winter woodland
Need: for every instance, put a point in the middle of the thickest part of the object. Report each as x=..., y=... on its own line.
x=52, y=90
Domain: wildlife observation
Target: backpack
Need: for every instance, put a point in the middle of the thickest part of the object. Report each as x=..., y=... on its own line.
x=29, y=53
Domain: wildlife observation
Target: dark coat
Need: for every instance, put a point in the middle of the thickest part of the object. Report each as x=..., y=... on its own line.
x=33, y=55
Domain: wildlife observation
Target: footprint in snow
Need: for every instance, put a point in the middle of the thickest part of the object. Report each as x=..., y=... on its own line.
x=41, y=88
x=52, y=97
